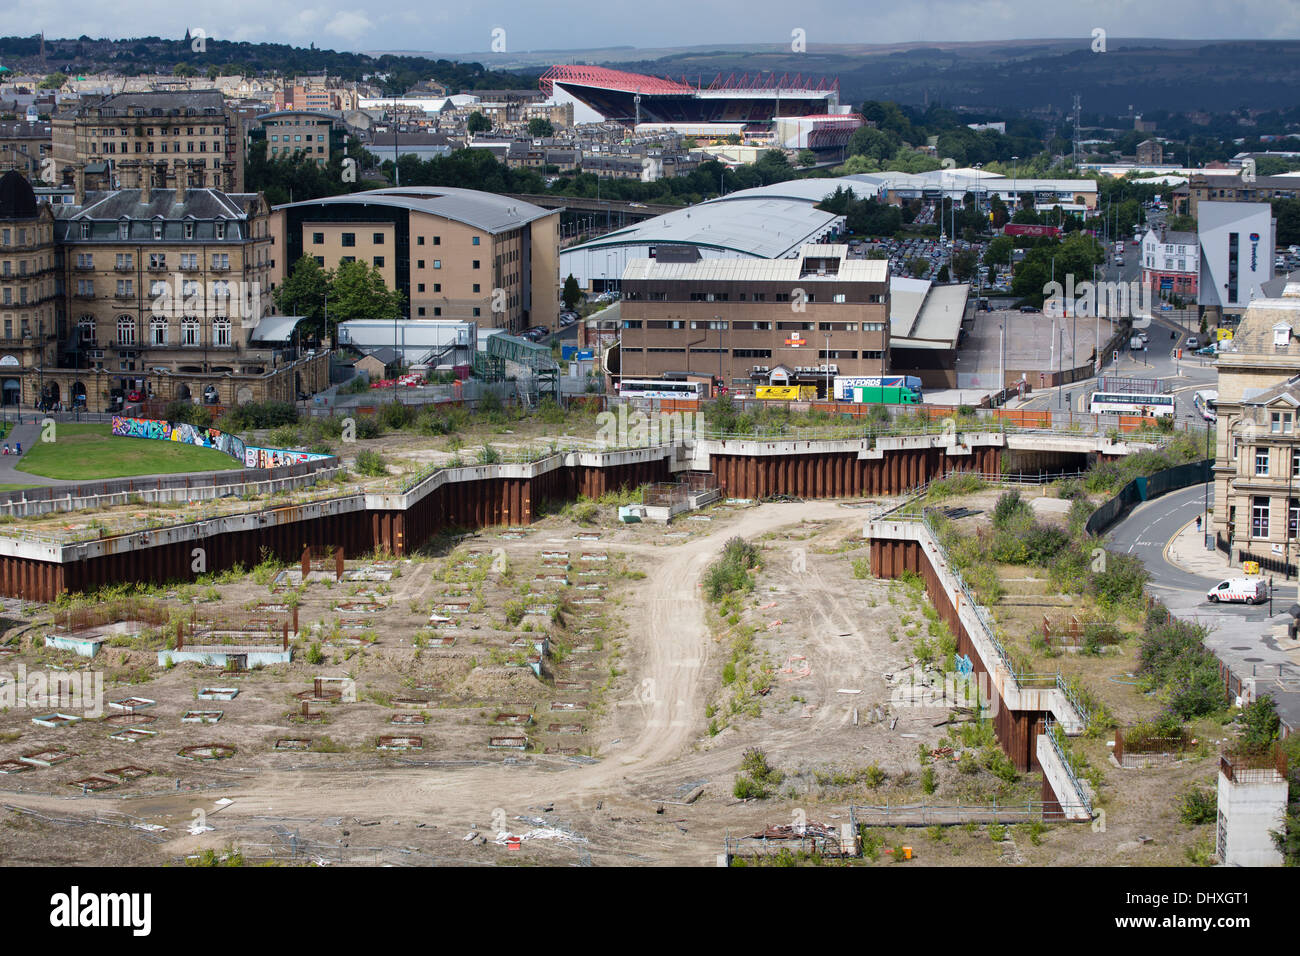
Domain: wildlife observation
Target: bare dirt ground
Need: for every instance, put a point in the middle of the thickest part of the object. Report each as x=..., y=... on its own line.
x=645, y=723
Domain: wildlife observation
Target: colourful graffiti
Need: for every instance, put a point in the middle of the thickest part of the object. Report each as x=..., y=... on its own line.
x=231, y=445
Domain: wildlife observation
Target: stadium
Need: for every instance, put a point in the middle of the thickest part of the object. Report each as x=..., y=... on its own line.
x=635, y=99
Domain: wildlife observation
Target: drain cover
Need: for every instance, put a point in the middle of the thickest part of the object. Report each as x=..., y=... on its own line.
x=1254, y=660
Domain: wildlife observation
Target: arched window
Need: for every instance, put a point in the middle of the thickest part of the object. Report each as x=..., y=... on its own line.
x=189, y=331
x=86, y=330
x=221, y=333
x=157, y=331
x=125, y=330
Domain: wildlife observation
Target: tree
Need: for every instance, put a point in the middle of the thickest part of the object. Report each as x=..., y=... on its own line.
x=571, y=294
x=214, y=71
x=998, y=251
x=303, y=293
x=184, y=69
x=872, y=143
x=53, y=81
x=478, y=123
x=358, y=292
x=944, y=275
x=807, y=157
x=1287, y=212
x=917, y=267
x=540, y=127
x=964, y=264
x=732, y=139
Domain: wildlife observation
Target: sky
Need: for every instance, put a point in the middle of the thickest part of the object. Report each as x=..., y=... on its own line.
x=412, y=25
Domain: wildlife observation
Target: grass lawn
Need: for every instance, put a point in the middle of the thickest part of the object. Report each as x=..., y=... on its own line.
x=83, y=452
x=18, y=487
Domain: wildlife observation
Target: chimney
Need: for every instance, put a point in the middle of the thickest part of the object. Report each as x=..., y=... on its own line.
x=180, y=173
x=146, y=183
x=79, y=184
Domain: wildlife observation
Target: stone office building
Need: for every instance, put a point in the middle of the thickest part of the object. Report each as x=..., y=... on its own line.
x=162, y=290
x=750, y=322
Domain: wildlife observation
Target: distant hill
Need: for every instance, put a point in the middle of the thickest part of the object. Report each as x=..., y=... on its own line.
x=1147, y=74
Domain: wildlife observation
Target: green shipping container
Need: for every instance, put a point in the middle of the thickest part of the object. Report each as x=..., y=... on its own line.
x=893, y=395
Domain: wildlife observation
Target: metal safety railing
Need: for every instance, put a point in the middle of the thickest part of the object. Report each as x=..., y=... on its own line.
x=1019, y=677
x=1049, y=730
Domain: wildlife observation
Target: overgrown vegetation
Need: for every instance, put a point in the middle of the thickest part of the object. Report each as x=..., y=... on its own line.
x=757, y=779
x=731, y=572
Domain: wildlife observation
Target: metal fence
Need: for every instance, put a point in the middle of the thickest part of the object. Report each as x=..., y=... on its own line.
x=1145, y=488
x=955, y=814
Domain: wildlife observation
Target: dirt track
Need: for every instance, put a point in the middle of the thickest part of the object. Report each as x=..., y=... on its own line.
x=642, y=741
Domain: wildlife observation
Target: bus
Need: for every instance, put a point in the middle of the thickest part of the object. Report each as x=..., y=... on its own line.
x=1204, y=402
x=1125, y=403
x=661, y=388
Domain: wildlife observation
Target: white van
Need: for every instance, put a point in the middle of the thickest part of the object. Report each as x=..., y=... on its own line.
x=1249, y=590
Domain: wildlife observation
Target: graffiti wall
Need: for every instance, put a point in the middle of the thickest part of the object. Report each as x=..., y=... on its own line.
x=274, y=457
x=231, y=445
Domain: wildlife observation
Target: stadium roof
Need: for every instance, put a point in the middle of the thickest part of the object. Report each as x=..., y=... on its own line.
x=804, y=190
x=482, y=210
x=923, y=315
x=604, y=78
x=762, y=227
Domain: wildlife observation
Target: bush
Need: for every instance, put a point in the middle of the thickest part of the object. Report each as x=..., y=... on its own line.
x=315, y=655
x=1198, y=806
x=731, y=572
x=1009, y=507
x=261, y=415
x=286, y=436
x=757, y=777
x=189, y=413
x=395, y=415
x=371, y=464
x=929, y=784
x=368, y=426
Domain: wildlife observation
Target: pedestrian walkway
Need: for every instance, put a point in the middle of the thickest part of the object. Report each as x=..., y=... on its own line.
x=1187, y=551
x=27, y=436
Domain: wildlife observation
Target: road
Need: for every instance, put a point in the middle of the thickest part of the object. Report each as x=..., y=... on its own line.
x=1244, y=637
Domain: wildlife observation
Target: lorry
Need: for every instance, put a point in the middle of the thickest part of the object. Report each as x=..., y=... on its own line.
x=1249, y=590
x=844, y=385
x=786, y=393
x=885, y=395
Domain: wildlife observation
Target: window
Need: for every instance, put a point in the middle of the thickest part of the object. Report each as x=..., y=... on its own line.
x=1293, y=519
x=1259, y=517
x=419, y=240
x=124, y=230
x=420, y=311
x=378, y=238
x=476, y=287
x=158, y=331
x=189, y=331
x=437, y=310
x=437, y=287
x=379, y=262
x=125, y=288
x=85, y=287
x=1281, y=423
x=157, y=229
x=125, y=330
x=437, y=263
x=474, y=242
x=189, y=230
x=221, y=260
x=1261, y=462
x=189, y=260
x=124, y=260
x=419, y=287
x=437, y=240
x=349, y=239
x=838, y=297
x=320, y=260
x=347, y=259
x=419, y=263
x=221, y=333
x=477, y=311
x=318, y=238
x=157, y=260
x=476, y=264
x=86, y=329
x=85, y=260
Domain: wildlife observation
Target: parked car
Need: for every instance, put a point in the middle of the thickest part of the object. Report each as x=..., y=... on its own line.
x=1193, y=342
x=135, y=396
x=211, y=396
x=1030, y=309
